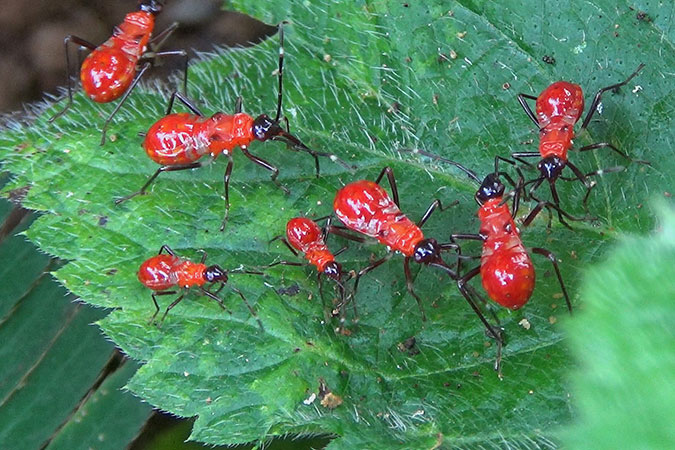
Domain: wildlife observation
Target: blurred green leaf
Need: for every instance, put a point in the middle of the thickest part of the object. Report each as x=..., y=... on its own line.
x=625, y=385
x=108, y=419
x=361, y=80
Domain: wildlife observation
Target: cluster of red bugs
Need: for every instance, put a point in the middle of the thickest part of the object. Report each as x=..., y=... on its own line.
x=180, y=141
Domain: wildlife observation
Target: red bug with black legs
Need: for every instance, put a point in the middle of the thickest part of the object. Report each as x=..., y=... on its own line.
x=304, y=235
x=365, y=207
x=178, y=141
x=558, y=108
x=112, y=69
x=506, y=270
x=165, y=271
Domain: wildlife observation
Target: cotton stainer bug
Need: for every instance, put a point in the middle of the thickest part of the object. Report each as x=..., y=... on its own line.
x=178, y=141
x=112, y=69
x=558, y=108
x=304, y=236
x=365, y=207
x=166, y=271
x=506, y=270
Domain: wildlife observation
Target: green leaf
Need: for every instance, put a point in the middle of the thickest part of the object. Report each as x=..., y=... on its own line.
x=109, y=419
x=361, y=81
x=624, y=342
x=51, y=354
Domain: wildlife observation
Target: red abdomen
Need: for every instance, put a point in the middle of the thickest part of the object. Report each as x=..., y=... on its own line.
x=558, y=107
x=108, y=71
x=305, y=236
x=163, y=272
x=506, y=269
x=184, y=138
x=176, y=139
x=365, y=207
x=157, y=273
x=507, y=273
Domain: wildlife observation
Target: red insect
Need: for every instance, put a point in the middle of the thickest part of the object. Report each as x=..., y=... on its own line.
x=506, y=269
x=303, y=235
x=365, y=207
x=558, y=109
x=165, y=271
x=179, y=141
x=112, y=69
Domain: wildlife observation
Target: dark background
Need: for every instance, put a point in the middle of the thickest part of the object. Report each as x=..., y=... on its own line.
x=32, y=33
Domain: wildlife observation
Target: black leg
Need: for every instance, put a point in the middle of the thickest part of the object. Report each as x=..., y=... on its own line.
x=281, y=71
x=237, y=105
x=410, y=285
x=154, y=300
x=342, y=232
x=392, y=182
x=286, y=243
x=133, y=84
x=518, y=156
x=434, y=205
x=522, y=100
x=183, y=54
x=594, y=105
x=69, y=78
x=367, y=269
x=251, y=310
x=215, y=298
x=470, y=173
x=160, y=170
x=266, y=165
x=158, y=40
x=226, y=182
x=552, y=258
x=170, y=307
x=184, y=100
x=166, y=249
x=295, y=144
x=611, y=147
x=492, y=332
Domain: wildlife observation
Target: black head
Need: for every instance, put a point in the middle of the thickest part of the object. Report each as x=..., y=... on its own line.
x=265, y=128
x=551, y=167
x=153, y=7
x=491, y=187
x=427, y=251
x=214, y=274
x=333, y=271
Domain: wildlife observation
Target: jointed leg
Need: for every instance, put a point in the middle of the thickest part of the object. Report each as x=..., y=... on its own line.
x=226, y=182
x=411, y=286
x=492, y=332
x=367, y=269
x=69, y=79
x=526, y=107
x=552, y=258
x=392, y=182
x=133, y=84
x=266, y=165
x=611, y=147
x=435, y=204
x=160, y=170
x=184, y=100
x=251, y=310
x=594, y=105
x=166, y=249
x=170, y=307
x=154, y=300
x=518, y=156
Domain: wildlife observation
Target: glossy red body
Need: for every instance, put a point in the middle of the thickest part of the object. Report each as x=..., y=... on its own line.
x=558, y=108
x=506, y=268
x=365, y=207
x=184, y=138
x=162, y=272
x=108, y=71
x=305, y=236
